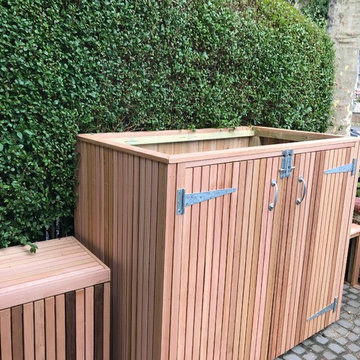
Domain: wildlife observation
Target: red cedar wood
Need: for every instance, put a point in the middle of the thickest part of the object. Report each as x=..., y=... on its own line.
x=5, y=331
x=60, y=326
x=309, y=251
x=106, y=140
x=288, y=261
x=43, y=325
x=51, y=275
x=238, y=216
x=50, y=328
x=299, y=249
x=331, y=262
x=269, y=270
x=295, y=242
x=320, y=242
x=28, y=320
x=229, y=265
x=40, y=315
x=223, y=260
x=107, y=317
x=80, y=324
x=258, y=321
x=354, y=272
x=220, y=176
x=89, y=322
x=193, y=243
x=185, y=316
x=17, y=332
x=39, y=326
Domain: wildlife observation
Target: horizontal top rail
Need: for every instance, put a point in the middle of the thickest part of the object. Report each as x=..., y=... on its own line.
x=129, y=142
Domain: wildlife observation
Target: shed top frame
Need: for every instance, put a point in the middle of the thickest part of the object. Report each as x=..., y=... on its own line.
x=131, y=142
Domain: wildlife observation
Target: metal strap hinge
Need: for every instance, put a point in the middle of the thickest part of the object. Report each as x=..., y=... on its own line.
x=331, y=307
x=287, y=164
x=344, y=168
x=184, y=199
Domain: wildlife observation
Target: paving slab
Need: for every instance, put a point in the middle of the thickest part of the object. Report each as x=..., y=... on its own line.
x=339, y=341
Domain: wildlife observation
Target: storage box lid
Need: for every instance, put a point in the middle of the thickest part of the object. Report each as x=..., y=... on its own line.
x=59, y=266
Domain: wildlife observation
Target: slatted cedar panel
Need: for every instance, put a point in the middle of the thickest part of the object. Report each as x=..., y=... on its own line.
x=54, y=326
x=125, y=193
x=48, y=303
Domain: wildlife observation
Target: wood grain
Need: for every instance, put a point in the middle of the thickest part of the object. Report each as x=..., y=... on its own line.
x=229, y=279
x=59, y=326
x=17, y=332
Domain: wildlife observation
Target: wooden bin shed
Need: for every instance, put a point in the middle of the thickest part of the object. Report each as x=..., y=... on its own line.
x=54, y=304
x=223, y=244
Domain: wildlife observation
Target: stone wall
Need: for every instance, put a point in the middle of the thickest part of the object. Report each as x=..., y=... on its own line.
x=344, y=29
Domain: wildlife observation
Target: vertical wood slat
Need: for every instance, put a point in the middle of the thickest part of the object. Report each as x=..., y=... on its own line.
x=167, y=214
x=50, y=331
x=223, y=260
x=28, y=318
x=208, y=263
x=193, y=259
x=236, y=260
x=259, y=321
x=267, y=263
x=99, y=322
x=200, y=265
x=80, y=323
x=259, y=219
x=39, y=326
x=70, y=325
x=60, y=327
x=89, y=322
x=17, y=332
x=309, y=245
x=106, y=323
x=5, y=333
x=333, y=246
x=126, y=249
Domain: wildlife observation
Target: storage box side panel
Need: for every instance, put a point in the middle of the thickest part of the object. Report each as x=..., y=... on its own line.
x=58, y=327
x=121, y=204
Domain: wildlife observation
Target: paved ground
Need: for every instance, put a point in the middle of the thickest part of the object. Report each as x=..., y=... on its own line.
x=338, y=341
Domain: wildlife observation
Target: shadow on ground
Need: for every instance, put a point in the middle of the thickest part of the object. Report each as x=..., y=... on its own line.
x=339, y=341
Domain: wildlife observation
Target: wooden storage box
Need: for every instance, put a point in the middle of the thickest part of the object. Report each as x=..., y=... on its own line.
x=223, y=244
x=54, y=304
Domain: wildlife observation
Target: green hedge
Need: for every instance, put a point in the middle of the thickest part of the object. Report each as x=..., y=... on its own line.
x=89, y=66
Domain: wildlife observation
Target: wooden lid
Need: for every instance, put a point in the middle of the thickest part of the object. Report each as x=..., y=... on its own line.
x=59, y=266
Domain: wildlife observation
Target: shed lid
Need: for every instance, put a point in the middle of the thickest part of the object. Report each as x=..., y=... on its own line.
x=59, y=266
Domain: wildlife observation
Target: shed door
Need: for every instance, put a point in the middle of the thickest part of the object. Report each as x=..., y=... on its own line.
x=221, y=297
x=312, y=247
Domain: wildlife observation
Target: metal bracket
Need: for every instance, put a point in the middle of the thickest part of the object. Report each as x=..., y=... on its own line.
x=184, y=199
x=344, y=168
x=287, y=164
x=331, y=307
